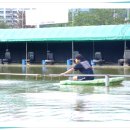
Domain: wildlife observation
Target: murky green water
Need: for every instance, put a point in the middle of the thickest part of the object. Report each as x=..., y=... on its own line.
x=27, y=102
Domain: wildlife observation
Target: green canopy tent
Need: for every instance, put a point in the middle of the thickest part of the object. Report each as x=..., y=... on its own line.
x=80, y=33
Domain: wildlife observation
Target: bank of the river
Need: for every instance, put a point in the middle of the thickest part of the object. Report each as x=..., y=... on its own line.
x=64, y=65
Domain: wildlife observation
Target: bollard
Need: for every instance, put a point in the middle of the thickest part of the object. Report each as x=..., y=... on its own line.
x=92, y=63
x=23, y=62
x=43, y=62
x=69, y=62
x=106, y=80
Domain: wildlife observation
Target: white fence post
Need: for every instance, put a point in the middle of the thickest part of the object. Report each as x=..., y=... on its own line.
x=106, y=80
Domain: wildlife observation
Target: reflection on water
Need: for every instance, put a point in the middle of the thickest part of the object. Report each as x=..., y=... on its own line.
x=77, y=89
x=24, y=69
x=43, y=100
x=33, y=102
x=102, y=108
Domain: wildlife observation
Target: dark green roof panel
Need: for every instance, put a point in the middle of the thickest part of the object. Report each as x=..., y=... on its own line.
x=80, y=33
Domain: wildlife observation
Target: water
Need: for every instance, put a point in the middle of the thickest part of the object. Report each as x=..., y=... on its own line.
x=44, y=103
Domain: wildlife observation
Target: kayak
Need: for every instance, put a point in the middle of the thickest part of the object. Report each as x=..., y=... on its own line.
x=98, y=82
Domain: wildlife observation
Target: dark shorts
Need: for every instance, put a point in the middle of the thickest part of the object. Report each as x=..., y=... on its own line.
x=81, y=78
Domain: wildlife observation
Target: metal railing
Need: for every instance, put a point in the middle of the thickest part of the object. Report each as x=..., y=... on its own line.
x=19, y=74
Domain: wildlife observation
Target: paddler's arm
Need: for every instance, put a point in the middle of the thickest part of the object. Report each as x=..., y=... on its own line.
x=67, y=72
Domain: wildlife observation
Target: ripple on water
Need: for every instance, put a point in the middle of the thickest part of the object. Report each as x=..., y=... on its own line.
x=42, y=100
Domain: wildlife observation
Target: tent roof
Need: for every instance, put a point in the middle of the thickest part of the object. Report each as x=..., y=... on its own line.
x=80, y=33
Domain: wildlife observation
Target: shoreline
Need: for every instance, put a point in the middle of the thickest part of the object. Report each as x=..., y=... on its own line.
x=63, y=65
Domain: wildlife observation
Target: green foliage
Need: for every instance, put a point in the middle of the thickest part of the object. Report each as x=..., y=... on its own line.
x=97, y=17
x=87, y=17
x=3, y=25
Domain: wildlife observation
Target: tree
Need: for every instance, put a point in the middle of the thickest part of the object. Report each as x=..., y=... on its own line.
x=97, y=17
x=3, y=25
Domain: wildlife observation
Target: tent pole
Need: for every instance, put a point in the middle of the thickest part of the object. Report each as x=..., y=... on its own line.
x=125, y=45
x=47, y=51
x=47, y=46
x=26, y=52
x=93, y=49
x=124, y=51
x=72, y=52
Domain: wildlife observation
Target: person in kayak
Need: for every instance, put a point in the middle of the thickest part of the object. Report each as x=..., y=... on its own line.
x=83, y=66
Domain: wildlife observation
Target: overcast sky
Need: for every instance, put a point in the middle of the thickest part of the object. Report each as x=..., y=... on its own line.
x=64, y=3
x=60, y=6
x=62, y=0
